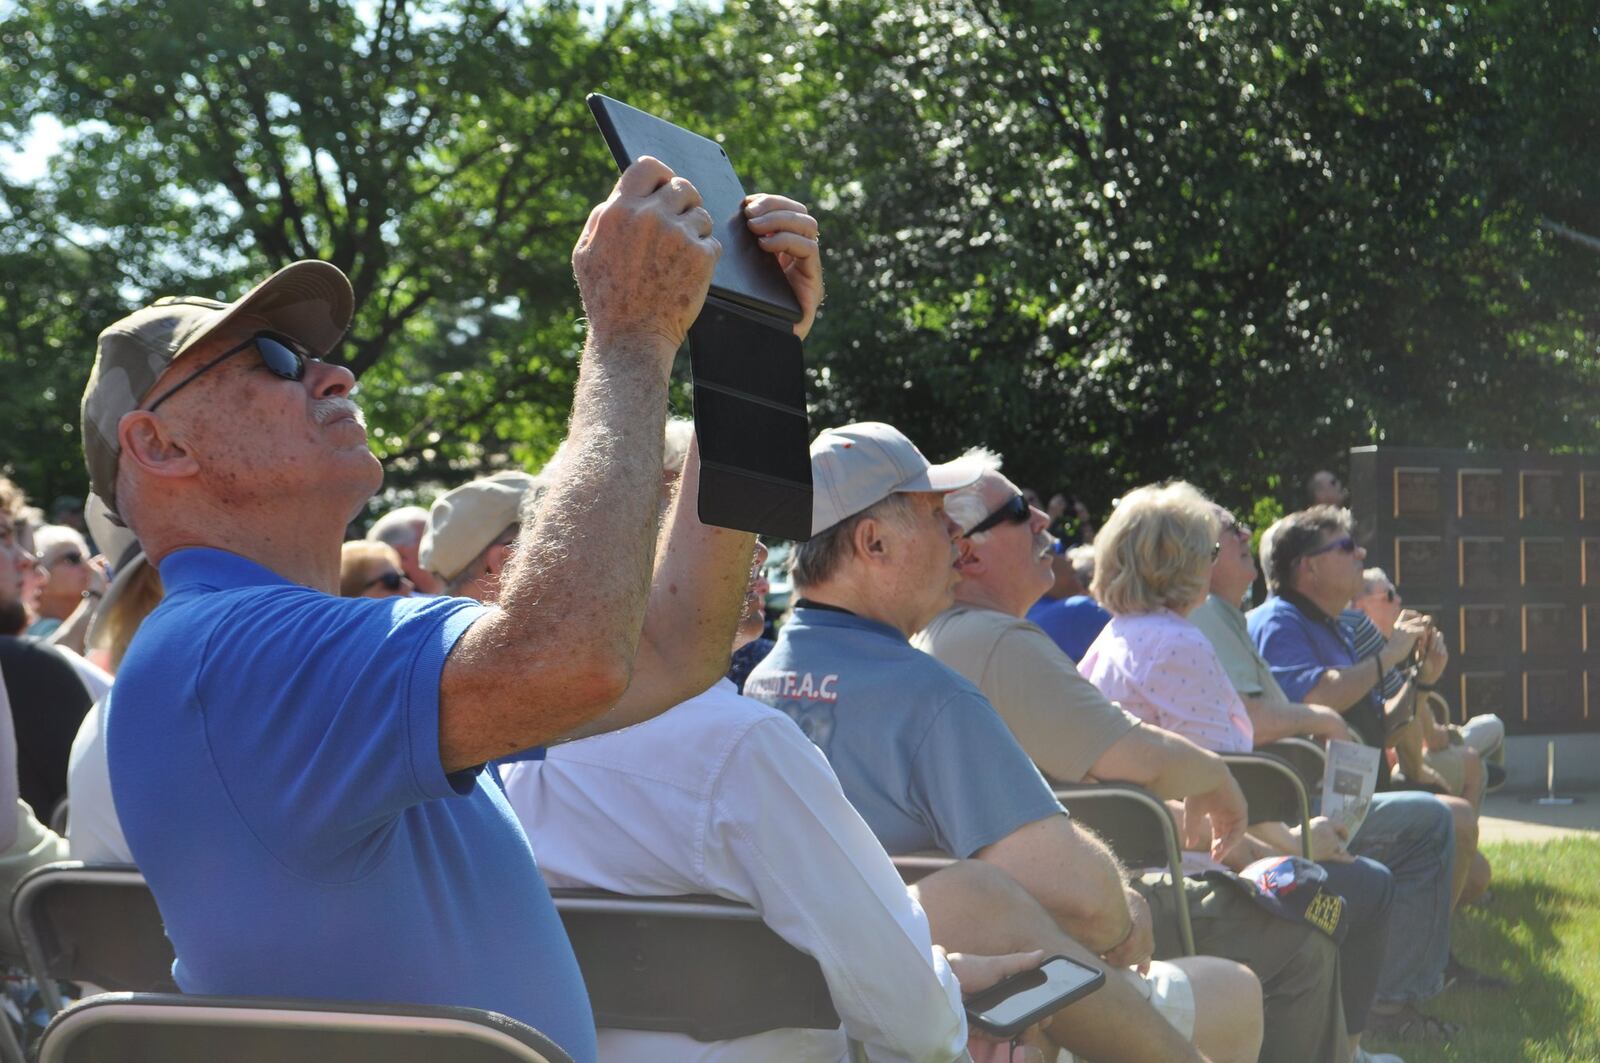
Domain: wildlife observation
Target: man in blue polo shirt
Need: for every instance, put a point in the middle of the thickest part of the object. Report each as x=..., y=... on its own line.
x=300, y=776
x=1313, y=567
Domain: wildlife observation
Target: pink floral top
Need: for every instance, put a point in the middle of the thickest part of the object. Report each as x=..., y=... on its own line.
x=1162, y=669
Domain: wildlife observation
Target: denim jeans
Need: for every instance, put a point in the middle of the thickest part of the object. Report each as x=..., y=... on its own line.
x=1368, y=891
x=1412, y=834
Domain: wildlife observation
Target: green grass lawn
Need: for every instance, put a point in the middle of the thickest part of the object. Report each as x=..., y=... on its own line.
x=1542, y=930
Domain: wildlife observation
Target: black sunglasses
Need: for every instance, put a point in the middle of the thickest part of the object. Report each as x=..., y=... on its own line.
x=281, y=355
x=390, y=580
x=1016, y=511
x=1234, y=527
x=1346, y=545
x=71, y=557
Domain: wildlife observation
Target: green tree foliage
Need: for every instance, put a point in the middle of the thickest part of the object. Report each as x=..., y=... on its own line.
x=439, y=153
x=1117, y=242
x=1162, y=238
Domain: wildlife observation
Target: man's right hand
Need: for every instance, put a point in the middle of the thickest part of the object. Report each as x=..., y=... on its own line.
x=644, y=260
x=1407, y=630
x=1328, y=841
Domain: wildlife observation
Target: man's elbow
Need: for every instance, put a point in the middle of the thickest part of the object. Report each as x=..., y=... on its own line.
x=597, y=682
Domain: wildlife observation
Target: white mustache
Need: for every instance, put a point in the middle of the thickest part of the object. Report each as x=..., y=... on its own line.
x=325, y=410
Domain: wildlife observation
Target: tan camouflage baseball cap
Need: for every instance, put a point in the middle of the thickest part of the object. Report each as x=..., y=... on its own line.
x=309, y=301
x=464, y=522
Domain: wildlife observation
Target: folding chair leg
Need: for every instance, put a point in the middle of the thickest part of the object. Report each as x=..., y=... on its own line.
x=10, y=1050
x=1185, y=927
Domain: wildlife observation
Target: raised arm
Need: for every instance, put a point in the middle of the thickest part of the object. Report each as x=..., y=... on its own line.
x=558, y=648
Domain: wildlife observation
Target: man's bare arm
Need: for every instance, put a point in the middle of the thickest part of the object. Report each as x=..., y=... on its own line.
x=696, y=597
x=558, y=647
x=1072, y=874
x=1272, y=720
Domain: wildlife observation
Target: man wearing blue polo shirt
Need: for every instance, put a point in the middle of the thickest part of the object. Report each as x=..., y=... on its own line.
x=300, y=776
x=1313, y=567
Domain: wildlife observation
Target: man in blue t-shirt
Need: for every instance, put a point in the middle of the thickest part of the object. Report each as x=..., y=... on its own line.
x=300, y=776
x=929, y=764
x=1313, y=567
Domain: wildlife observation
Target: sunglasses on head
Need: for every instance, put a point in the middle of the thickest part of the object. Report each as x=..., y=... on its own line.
x=1233, y=527
x=1016, y=511
x=281, y=355
x=1347, y=545
x=391, y=581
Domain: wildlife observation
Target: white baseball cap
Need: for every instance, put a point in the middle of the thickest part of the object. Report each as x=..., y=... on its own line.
x=465, y=521
x=859, y=465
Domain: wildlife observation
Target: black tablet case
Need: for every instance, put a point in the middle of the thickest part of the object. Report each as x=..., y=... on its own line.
x=748, y=366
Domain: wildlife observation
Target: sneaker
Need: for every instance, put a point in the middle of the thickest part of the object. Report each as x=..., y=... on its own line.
x=1494, y=778
x=1363, y=1056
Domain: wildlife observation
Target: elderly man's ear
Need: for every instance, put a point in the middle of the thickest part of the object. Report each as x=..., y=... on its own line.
x=968, y=563
x=147, y=443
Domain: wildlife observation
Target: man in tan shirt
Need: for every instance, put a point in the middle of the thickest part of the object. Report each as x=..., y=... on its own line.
x=1075, y=735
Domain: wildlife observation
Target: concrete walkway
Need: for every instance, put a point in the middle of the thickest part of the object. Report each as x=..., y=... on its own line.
x=1512, y=817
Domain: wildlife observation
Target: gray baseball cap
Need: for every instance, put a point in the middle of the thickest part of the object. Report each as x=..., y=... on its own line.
x=860, y=465
x=465, y=521
x=308, y=301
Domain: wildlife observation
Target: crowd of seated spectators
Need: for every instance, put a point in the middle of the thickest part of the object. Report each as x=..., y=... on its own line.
x=355, y=771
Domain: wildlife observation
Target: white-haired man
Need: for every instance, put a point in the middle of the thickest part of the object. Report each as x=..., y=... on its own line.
x=929, y=765
x=300, y=776
x=403, y=529
x=1075, y=735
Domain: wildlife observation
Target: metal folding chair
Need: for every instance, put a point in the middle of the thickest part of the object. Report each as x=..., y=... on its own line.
x=1130, y=819
x=178, y=1028
x=1308, y=759
x=1273, y=790
x=95, y=923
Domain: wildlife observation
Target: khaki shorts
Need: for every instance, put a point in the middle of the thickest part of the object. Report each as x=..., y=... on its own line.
x=1168, y=990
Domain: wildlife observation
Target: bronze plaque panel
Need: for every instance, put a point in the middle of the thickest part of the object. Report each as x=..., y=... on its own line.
x=1591, y=629
x=1417, y=493
x=1591, y=562
x=1484, y=692
x=1481, y=494
x=1550, y=698
x=1418, y=561
x=1589, y=495
x=1483, y=629
x=1544, y=562
x=1547, y=628
x=1481, y=562
x=1541, y=494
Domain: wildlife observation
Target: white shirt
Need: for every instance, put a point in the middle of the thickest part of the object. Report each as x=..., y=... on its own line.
x=93, y=832
x=726, y=796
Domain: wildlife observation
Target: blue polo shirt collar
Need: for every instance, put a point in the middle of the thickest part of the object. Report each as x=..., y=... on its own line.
x=841, y=618
x=204, y=566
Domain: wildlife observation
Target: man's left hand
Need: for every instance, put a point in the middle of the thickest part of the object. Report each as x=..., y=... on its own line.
x=1225, y=806
x=785, y=229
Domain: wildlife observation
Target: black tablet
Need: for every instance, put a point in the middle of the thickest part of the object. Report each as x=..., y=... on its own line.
x=746, y=275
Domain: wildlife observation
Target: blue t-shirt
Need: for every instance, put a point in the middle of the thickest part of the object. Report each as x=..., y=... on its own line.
x=274, y=759
x=1074, y=623
x=921, y=754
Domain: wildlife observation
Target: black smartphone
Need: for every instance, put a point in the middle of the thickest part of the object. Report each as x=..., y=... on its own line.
x=1007, y=1008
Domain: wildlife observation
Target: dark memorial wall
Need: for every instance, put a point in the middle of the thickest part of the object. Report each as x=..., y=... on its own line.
x=1503, y=550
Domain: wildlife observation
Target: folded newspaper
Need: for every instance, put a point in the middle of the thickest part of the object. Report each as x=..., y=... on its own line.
x=1348, y=783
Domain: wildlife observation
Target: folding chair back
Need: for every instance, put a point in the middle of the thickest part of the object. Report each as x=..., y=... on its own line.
x=94, y=923
x=702, y=966
x=1137, y=826
x=174, y=1028
x=1273, y=790
x=1303, y=755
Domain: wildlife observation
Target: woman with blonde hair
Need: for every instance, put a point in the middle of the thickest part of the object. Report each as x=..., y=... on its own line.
x=1153, y=564
x=1152, y=569
x=371, y=570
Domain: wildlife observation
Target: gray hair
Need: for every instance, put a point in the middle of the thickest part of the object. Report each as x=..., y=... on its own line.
x=965, y=505
x=1081, y=558
x=400, y=527
x=1292, y=537
x=1373, y=576
x=819, y=558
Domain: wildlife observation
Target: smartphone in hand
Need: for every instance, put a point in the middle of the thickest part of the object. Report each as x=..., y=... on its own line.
x=1009, y=1007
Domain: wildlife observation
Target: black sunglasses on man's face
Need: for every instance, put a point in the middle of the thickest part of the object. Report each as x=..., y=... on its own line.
x=1015, y=511
x=281, y=355
x=1347, y=545
x=391, y=581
